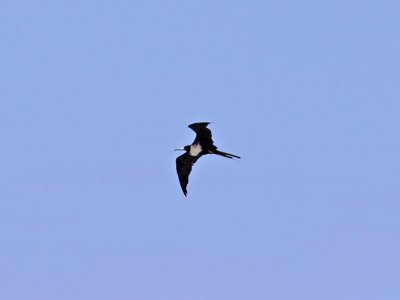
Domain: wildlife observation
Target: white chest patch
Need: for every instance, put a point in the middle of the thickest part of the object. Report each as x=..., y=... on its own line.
x=195, y=149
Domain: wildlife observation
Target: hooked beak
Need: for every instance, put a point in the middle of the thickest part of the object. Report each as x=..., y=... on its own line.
x=180, y=149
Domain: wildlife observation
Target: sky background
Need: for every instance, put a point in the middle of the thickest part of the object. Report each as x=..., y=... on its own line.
x=94, y=97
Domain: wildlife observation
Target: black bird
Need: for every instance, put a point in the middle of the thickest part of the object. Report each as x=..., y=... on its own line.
x=202, y=145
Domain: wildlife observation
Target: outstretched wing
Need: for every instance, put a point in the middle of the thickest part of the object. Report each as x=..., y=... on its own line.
x=203, y=135
x=184, y=165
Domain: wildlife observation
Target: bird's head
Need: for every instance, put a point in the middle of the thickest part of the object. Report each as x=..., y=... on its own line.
x=186, y=148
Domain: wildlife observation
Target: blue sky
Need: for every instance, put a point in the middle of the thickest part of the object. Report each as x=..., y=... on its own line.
x=94, y=97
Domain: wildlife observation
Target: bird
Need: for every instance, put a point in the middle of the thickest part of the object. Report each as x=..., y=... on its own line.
x=202, y=145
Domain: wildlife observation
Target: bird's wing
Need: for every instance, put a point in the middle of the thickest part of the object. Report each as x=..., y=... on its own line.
x=203, y=134
x=184, y=165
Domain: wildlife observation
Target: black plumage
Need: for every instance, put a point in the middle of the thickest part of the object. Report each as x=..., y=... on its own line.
x=184, y=165
x=202, y=145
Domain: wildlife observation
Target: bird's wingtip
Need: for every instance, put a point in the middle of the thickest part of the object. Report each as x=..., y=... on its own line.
x=199, y=124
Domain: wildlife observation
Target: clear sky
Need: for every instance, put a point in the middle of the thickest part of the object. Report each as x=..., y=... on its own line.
x=94, y=97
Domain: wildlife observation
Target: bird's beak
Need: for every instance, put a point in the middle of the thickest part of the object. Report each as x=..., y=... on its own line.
x=179, y=149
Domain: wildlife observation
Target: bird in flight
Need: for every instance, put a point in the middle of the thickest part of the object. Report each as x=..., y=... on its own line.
x=202, y=145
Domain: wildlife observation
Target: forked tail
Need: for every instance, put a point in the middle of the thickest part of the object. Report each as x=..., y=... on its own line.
x=224, y=154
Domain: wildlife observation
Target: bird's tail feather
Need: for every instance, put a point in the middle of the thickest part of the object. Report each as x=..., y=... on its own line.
x=224, y=154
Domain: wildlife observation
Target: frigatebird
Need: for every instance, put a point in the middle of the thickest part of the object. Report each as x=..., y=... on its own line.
x=202, y=145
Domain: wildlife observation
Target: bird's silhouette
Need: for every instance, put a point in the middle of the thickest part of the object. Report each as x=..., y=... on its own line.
x=202, y=145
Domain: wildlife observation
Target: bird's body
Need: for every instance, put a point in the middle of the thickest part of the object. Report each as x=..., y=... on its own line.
x=202, y=145
x=195, y=149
